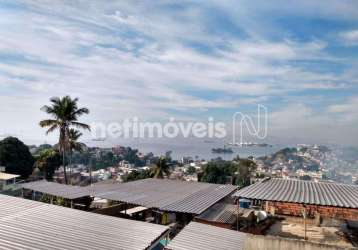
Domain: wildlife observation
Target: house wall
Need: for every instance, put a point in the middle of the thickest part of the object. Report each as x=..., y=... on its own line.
x=258, y=242
x=295, y=209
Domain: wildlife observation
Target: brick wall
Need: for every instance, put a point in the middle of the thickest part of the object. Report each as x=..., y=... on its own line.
x=295, y=209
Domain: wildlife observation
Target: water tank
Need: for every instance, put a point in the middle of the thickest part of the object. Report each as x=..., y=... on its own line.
x=244, y=203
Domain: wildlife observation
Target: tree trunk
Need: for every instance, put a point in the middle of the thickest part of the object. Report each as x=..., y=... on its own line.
x=71, y=167
x=64, y=165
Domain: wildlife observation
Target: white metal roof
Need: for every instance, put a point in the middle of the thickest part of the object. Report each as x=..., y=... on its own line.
x=134, y=210
x=306, y=192
x=6, y=176
x=166, y=195
x=57, y=189
x=31, y=225
x=198, y=236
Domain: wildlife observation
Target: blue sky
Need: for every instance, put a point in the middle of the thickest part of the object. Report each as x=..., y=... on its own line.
x=189, y=60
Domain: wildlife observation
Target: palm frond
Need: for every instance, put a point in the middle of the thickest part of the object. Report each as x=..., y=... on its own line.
x=51, y=129
x=81, y=125
x=48, y=123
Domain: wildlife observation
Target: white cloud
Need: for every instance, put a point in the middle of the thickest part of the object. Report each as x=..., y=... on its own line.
x=350, y=37
x=124, y=59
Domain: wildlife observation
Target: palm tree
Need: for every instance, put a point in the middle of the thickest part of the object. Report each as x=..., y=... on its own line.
x=65, y=113
x=74, y=145
x=47, y=162
x=161, y=169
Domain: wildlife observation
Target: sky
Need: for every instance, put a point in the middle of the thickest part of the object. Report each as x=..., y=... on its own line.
x=185, y=59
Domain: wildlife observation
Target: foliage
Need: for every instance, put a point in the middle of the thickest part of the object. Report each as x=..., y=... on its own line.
x=191, y=170
x=41, y=148
x=239, y=171
x=245, y=169
x=65, y=113
x=305, y=178
x=74, y=144
x=16, y=157
x=131, y=155
x=48, y=161
x=137, y=175
x=161, y=168
x=218, y=171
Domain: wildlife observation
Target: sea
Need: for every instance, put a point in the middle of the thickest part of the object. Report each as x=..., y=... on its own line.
x=197, y=149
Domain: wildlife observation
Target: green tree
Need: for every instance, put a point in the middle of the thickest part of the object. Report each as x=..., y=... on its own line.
x=305, y=178
x=74, y=145
x=161, y=168
x=191, y=170
x=47, y=162
x=65, y=113
x=218, y=171
x=137, y=175
x=16, y=157
x=245, y=170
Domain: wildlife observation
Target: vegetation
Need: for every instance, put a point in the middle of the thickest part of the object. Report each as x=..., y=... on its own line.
x=65, y=113
x=245, y=170
x=218, y=172
x=47, y=162
x=239, y=171
x=137, y=175
x=191, y=170
x=305, y=178
x=161, y=168
x=16, y=157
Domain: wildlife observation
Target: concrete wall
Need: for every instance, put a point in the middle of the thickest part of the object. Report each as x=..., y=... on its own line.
x=258, y=242
x=295, y=209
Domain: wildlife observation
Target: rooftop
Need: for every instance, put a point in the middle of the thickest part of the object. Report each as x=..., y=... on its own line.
x=6, y=176
x=27, y=224
x=220, y=212
x=166, y=195
x=306, y=192
x=57, y=189
x=200, y=236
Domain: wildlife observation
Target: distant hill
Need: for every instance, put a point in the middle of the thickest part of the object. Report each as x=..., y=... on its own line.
x=291, y=158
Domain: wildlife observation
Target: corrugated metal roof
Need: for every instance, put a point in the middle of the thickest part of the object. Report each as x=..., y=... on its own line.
x=307, y=192
x=166, y=195
x=30, y=225
x=57, y=189
x=220, y=212
x=6, y=176
x=198, y=236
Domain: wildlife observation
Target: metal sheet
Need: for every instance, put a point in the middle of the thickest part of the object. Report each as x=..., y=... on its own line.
x=166, y=195
x=198, y=236
x=33, y=225
x=307, y=192
x=57, y=189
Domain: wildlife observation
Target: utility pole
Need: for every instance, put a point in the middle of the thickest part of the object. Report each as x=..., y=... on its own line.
x=304, y=213
x=90, y=169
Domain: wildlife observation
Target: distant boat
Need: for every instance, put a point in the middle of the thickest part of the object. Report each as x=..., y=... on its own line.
x=222, y=150
x=99, y=139
x=249, y=144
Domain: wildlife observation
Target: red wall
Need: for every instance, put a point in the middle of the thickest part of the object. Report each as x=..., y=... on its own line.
x=295, y=209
